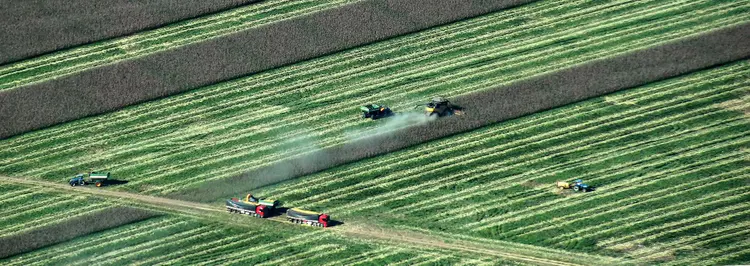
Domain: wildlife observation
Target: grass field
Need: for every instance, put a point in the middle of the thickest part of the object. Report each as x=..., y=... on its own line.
x=222, y=130
x=670, y=161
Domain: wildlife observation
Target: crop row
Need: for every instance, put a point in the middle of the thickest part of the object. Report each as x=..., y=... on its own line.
x=149, y=42
x=668, y=160
x=229, y=160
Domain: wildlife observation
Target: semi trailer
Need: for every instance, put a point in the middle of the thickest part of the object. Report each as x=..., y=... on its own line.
x=312, y=218
x=252, y=206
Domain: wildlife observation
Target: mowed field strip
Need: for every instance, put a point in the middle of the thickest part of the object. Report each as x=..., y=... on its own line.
x=669, y=159
x=148, y=42
x=246, y=121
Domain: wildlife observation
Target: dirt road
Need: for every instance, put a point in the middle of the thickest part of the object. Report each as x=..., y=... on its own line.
x=361, y=231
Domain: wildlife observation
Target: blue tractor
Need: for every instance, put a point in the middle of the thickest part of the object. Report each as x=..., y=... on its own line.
x=577, y=185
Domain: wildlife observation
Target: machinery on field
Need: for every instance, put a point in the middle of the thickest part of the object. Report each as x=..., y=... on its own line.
x=298, y=216
x=440, y=107
x=97, y=178
x=375, y=111
x=577, y=186
x=252, y=206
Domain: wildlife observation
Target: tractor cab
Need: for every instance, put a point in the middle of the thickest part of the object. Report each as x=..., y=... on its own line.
x=77, y=180
x=375, y=111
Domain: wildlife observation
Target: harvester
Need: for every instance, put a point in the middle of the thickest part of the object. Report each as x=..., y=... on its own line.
x=252, y=206
x=576, y=185
x=440, y=107
x=97, y=178
x=298, y=216
x=375, y=111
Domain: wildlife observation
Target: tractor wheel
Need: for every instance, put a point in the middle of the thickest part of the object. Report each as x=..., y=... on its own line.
x=98, y=184
x=576, y=188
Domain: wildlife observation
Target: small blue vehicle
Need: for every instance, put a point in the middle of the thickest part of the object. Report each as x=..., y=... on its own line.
x=577, y=185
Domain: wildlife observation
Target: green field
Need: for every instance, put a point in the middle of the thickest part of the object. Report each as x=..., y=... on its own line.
x=669, y=159
x=223, y=130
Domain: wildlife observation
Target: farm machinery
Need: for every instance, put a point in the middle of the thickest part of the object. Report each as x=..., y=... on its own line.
x=375, y=111
x=298, y=216
x=440, y=107
x=263, y=208
x=577, y=186
x=252, y=206
x=97, y=178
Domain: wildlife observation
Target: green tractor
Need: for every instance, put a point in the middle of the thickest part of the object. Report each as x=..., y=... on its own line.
x=97, y=178
x=375, y=111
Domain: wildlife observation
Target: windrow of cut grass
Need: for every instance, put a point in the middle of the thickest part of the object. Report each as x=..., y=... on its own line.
x=85, y=57
x=669, y=160
x=163, y=146
x=171, y=240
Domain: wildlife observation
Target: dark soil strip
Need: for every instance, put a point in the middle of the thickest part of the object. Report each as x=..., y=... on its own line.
x=537, y=94
x=33, y=27
x=111, y=87
x=70, y=229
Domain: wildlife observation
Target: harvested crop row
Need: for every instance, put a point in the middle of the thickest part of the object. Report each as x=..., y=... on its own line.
x=142, y=44
x=665, y=165
x=228, y=57
x=31, y=28
x=240, y=154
